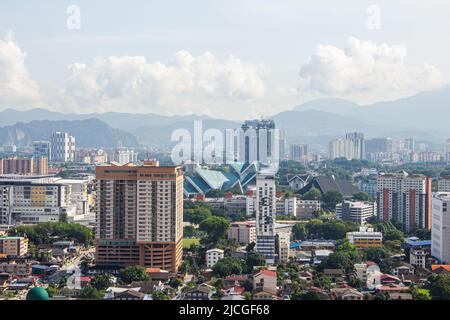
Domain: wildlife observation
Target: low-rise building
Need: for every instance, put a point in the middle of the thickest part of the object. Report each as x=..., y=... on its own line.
x=265, y=281
x=243, y=232
x=356, y=211
x=14, y=246
x=306, y=208
x=213, y=256
x=365, y=238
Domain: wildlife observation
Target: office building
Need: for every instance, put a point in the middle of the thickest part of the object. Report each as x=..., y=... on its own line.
x=42, y=149
x=405, y=198
x=62, y=147
x=265, y=215
x=440, y=232
x=356, y=211
x=377, y=145
x=139, y=218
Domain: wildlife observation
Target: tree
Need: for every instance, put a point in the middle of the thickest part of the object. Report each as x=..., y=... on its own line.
x=299, y=231
x=159, y=295
x=423, y=234
x=101, y=281
x=52, y=290
x=356, y=283
x=250, y=247
x=331, y=198
x=322, y=281
x=133, y=273
x=376, y=254
x=420, y=294
x=393, y=234
x=215, y=227
x=312, y=194
x=197, y=214
x=247, y=295
x=254, y=259
x=362, y=196
x=175, y=282
x=439, y=286
x=219, y=284
x=227, y=266
x=89, y=292
x=306, y=295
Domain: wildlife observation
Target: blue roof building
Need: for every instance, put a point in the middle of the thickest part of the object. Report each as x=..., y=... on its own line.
x=240, y=175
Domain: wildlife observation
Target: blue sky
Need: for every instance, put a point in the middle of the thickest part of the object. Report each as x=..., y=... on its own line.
x=281, y=53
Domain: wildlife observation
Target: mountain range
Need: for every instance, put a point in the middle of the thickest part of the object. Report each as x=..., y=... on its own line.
x=425, y=115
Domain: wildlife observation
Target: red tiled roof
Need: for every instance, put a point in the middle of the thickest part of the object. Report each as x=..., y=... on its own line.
x=435, y=267
x=393, y=288
x=236, y=278
x=266, y=272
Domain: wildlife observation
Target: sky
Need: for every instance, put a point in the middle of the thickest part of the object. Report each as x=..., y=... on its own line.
x=229, y=59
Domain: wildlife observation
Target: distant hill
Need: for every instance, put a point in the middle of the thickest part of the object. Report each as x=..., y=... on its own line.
x=426, y=111
x=160, y=135
x=125, y=121
x=88, y=133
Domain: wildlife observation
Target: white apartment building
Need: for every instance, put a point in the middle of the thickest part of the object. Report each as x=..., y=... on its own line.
x=440, y=231
x=444, y=184
x=356, y=211
x=265, y=215
x=287, y=206
x=125, y=156
x=213, y=256
x=284, y=242
x=62, y=147
x=341, y=148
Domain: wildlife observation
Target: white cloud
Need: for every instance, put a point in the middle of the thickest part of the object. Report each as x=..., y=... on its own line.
x=366, y=70
x=115, y=83
x=17, y=89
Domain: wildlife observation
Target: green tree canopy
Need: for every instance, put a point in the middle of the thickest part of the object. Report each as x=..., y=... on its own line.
x=216, y=228
x=133, y=273
x=228, y=266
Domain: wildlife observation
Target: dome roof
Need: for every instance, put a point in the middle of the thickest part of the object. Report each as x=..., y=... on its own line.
x=37, y=293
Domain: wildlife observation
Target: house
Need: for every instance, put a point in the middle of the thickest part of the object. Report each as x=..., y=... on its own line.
x=346, y=293
x=335, y=275
x=131, y=295
x=441, y=269
x=234, y=293
x=323, y=294
x=148, y=286
x=198, y=293
x=265, y=279
x=298, y=182
x=263, y=294
x=235, y=280
x=402, y=268
x=159, y=274
x=400, y=296
x=387, y=279
x=213, y=256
